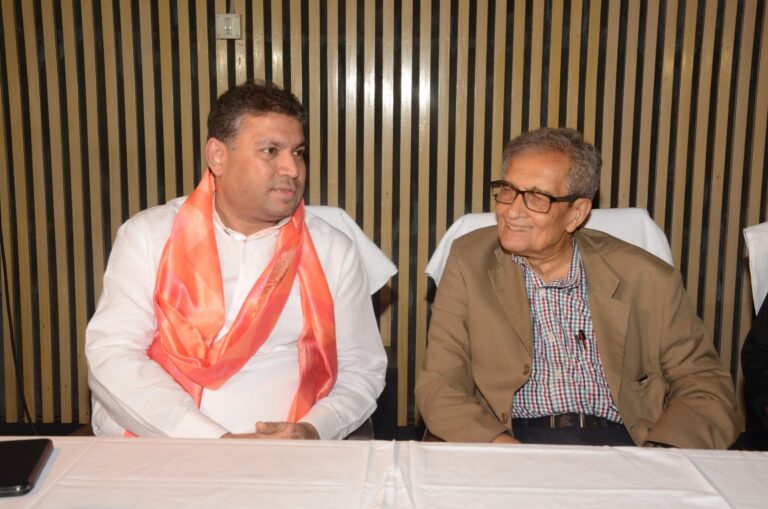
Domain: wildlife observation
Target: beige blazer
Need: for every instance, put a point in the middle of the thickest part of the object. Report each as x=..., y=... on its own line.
x=659, y=361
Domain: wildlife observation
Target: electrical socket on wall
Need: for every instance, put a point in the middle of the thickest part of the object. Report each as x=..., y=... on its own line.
x=227, y=26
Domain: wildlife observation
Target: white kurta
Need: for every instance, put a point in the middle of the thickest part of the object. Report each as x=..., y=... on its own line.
x=131, y=391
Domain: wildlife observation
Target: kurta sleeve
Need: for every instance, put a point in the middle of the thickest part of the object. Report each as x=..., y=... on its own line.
x=135, y=392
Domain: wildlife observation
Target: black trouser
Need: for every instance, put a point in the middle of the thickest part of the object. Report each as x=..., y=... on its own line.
x=534, y=431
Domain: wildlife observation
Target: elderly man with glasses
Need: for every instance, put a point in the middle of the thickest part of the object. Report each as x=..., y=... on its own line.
x=545, y=333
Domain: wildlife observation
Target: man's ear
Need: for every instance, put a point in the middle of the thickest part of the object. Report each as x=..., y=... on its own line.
x=579, y=211
x=216, y=153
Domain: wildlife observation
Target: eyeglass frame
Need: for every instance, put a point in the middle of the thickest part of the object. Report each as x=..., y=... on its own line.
x=570, y=198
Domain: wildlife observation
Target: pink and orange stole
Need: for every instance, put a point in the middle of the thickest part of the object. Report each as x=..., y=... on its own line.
x=189, y=306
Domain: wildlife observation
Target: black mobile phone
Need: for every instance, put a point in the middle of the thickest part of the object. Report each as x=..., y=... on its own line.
x=21, y=462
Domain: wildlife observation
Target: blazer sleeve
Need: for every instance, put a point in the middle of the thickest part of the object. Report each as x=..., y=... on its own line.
x=700, y=410
x=446, y=394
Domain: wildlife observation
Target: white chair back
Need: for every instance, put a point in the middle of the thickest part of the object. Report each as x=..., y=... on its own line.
x=756, y=238
x=378, y=267
x=631, y=225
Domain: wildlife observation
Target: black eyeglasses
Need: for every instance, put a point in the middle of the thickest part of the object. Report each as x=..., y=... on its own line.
x=536, y=201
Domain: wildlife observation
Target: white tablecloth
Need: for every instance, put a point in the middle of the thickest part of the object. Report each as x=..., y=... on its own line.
x=127, y=473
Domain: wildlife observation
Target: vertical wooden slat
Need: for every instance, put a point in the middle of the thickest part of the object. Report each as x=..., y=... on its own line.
x=241, y=69
x=459, y=152
x=222, y=74
x=170, y=137
x=40, y=245
x=499, y=66
x=295, y=40
x=59, y=330
x=9, y=371
x=387, y=142
x=422, y=214
x=555, y=55
x=81, y=268
x=717, y=185
x=443, y=120
x=148, y=92
x=404, y=277
x=259, y=56
x=93, y=168
x=681, y=126
x=518, y=49
x=628, y=103
x=316, y=149
x=203, y=78
x=129, y=97
x=369, y=105
x=645, y=133
x=701, y=147
x=537, y=48
x=112, y=134
x=332, y=97
x=14, y=280
x=478, y=119
x=277, y=42
x=665, y=118
x=184, y=107
x=609, y=104
x=350, y=131
x=574, y=64
x=7, y=378
x=759, y=149
x=733, y=239
x=590, y=86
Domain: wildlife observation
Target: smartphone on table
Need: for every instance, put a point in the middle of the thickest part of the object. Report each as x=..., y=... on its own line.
x=21, y=462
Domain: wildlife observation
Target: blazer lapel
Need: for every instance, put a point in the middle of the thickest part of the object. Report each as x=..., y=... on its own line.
x=509, y=285
x=610, y=316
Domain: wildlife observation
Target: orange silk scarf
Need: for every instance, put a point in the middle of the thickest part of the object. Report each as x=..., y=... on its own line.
x=189, y=306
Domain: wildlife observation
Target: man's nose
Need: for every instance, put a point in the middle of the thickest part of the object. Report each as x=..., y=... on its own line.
x=517, y=207
x=514, y=210
x=290, y=164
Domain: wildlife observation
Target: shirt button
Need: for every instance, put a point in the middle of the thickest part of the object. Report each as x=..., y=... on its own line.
x=558, y=374
x=504, y=418
x=526, y=369
x=542, y=292
x=551, y=336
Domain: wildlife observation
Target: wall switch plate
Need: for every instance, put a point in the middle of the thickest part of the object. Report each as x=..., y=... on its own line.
x=227, y=26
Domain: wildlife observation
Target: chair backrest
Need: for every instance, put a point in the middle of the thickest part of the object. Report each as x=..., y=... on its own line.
x=631, y=225
x=756, y=238
x=378, y=267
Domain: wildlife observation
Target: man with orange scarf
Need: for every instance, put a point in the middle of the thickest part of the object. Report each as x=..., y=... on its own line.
x=231, y=312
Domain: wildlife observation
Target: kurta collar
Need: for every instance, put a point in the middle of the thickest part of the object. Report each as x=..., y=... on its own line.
x=266, y=232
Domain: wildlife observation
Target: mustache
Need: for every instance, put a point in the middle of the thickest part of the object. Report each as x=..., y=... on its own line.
x=286, y=184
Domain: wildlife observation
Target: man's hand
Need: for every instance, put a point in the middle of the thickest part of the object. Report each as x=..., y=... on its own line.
x=505, y=438
x=280, y=431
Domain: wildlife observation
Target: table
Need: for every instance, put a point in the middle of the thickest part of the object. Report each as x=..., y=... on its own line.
x=86, y=472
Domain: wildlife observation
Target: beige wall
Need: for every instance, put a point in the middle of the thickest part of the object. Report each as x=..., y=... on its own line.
x=104, y=104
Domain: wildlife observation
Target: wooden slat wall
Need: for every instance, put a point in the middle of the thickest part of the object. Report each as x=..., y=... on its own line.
x=103, y=113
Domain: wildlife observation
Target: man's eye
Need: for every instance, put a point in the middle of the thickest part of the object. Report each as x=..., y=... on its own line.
x=538, y=198
x=269, y=150
x=299, y=153
x=506, y=189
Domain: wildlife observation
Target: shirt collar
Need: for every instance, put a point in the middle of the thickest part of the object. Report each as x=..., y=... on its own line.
x=266, y=232
x=574, y=277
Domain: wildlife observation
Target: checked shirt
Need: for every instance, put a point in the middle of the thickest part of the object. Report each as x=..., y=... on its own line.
x=567, y=374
